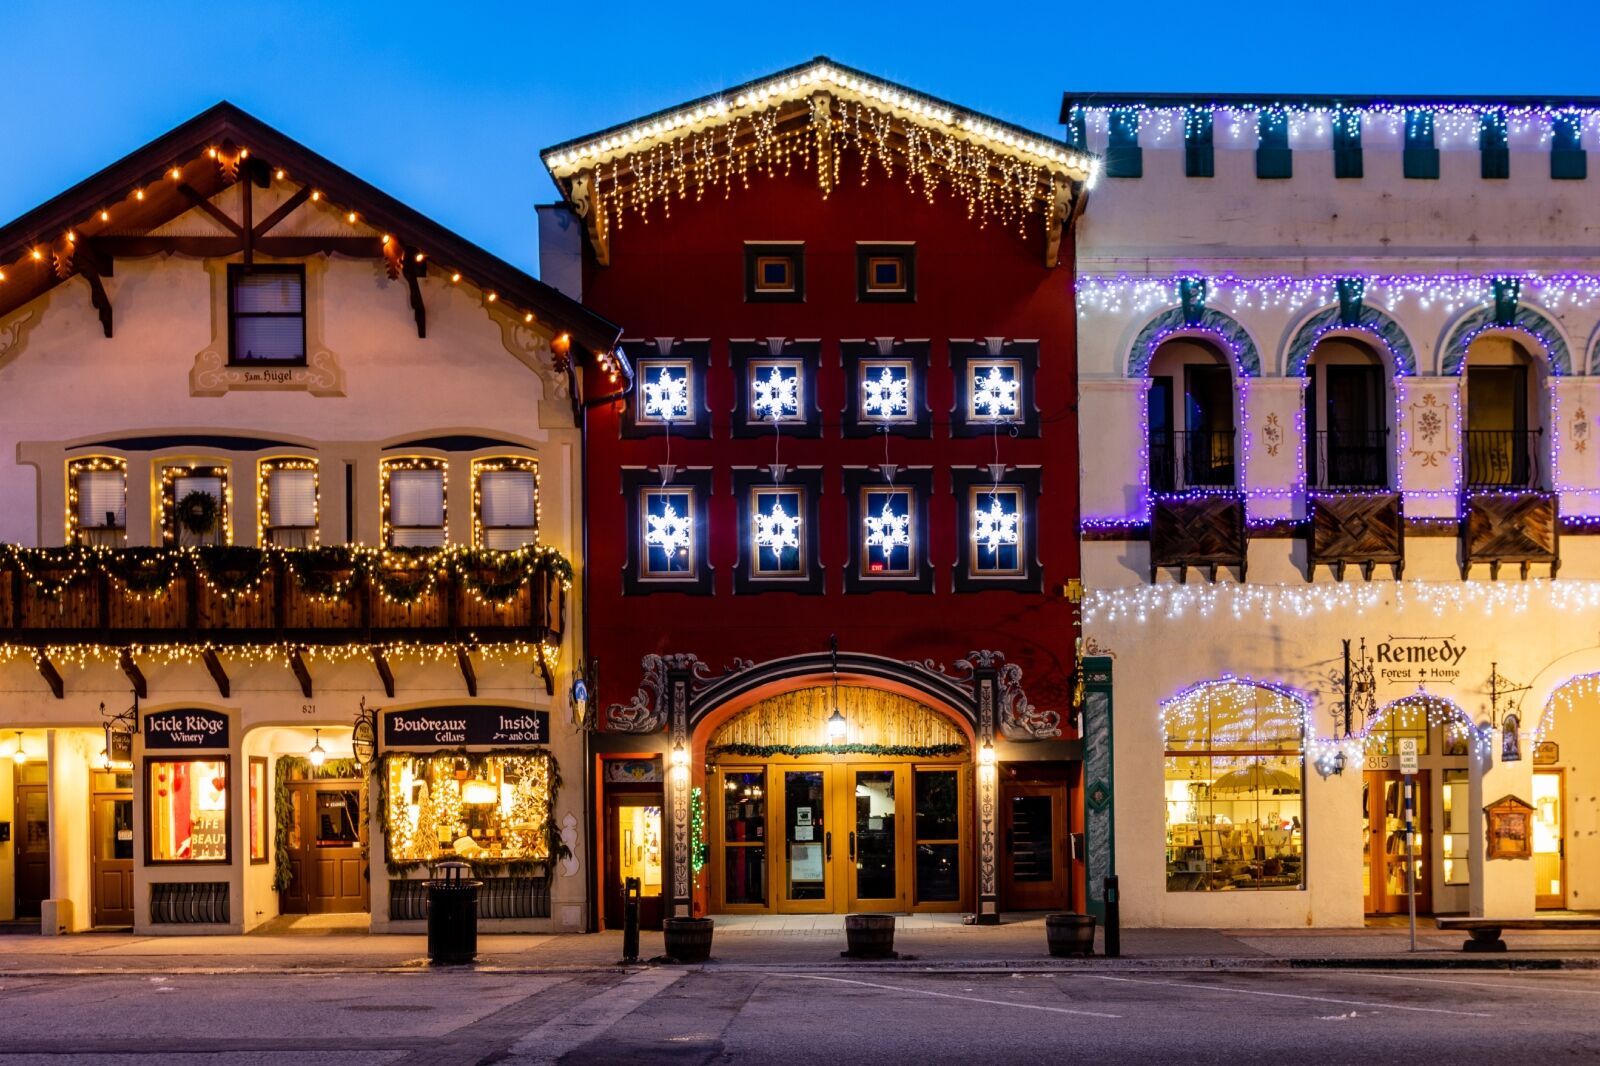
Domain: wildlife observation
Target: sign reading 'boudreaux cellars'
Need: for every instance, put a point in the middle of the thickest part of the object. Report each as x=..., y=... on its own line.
x=433, y=727
x=189, y=728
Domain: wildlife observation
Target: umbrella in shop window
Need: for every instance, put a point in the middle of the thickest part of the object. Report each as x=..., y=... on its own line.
x=1256, y=779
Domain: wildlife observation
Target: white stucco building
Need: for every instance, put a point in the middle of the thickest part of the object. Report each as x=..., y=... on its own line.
x=1337, y=384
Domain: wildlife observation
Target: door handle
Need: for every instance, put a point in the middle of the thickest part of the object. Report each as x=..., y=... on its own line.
x=852, y=846
x=827, y=846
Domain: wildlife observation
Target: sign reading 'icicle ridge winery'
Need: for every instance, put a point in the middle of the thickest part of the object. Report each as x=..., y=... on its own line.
x=453, y=727
x=194, y=728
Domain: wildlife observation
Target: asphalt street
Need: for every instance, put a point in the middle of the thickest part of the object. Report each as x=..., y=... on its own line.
x=733, y=1015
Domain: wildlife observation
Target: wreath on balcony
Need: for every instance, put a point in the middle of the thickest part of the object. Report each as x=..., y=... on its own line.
x=231, y=571
x=404, y=575
x=144, y=571
x=198, y=512
x=324, y=573
x=493, y=576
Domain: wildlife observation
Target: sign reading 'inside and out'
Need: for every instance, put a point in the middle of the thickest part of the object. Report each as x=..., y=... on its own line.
x=434, y=727
x=192, y=728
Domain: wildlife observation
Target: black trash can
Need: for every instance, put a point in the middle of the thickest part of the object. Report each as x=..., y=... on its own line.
x=452, y=914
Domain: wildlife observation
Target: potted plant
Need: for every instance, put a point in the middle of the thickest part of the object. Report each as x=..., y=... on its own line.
x=1069, y=934
x=687, y=939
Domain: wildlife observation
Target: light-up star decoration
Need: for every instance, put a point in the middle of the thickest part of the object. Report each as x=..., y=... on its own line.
x=777, y=529
x=669, y=531
x=777, y=395
x=995, y=527
x=886, y=396
x=994, y=395
x=667, y=397
x=887, y=530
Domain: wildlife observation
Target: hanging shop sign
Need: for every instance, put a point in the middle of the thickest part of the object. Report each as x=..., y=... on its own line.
x=1546, y=753
x=186, y=729
x=453, y=727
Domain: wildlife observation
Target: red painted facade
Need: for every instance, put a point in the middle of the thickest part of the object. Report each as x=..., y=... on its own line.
x=682, y=276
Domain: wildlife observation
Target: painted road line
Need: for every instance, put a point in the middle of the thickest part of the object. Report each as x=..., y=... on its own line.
x=1287, y=995
x=590, y=1019
x=949, y=995
x=1547, y=986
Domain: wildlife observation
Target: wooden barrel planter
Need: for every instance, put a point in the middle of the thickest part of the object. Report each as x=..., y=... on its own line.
x=1069, y=934
x=869, y=936
x=687, y=939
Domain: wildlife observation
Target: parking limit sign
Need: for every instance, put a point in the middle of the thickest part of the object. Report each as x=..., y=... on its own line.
x=1408, y=755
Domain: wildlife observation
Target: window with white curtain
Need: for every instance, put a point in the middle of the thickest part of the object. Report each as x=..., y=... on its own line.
x=292, y=507
x=416, y=508
x=102, y=500
x=211, y=485
x=507, y=508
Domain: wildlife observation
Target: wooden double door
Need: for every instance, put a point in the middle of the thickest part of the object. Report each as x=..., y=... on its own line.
x=819, y=838
x=327, y=871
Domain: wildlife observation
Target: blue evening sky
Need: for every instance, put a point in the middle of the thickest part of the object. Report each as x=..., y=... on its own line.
x=445, y=105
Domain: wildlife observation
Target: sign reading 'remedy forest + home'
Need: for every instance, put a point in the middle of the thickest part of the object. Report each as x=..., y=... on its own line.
x=433, y=727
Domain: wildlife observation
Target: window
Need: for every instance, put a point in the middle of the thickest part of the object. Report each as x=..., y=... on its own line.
x=886, y=388
x=938, y=832
x=669, y=396
x=1457, y=827
x=775, y=273
x=1124, y=157
x=1274, y=158
x=995, y=387
x=188, y=812
x=266, y=315
x=777, y=524
x=1568, y=160
x=1199, y=157
x=667, y=549
x=888, y=520
x=500, y=804
x=286, y=504
x=776, y=387
x=669, y=527
x=97, y=501
x=1347, y=438
x=997, y=547
x=1346, y=143
x=506, y=503
x=1492, y=145
x=1235, y=789
x=888, y=534
x=1191, y=425
x=1420, y=158
x=886, y=273
x=414, y=503
x=259, y=806
x=194, y=505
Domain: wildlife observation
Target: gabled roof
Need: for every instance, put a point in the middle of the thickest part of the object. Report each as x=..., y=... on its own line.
x=112, y=214
x=804, y=116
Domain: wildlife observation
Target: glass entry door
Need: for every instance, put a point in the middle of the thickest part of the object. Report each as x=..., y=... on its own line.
x=1549, y=843
x=808, y=841
x=1383, y=804
x=875, y=855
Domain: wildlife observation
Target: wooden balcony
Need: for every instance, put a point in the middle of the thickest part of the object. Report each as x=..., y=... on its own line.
x=1510, y=527
x=1360, y=529
x=1194, y=530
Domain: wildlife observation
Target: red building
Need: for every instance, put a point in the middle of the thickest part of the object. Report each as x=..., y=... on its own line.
x=832, y=500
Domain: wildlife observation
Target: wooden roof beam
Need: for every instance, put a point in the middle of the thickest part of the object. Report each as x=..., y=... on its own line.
x=136, y=678
x=468, y=674
x=51, y=675
x=385, y=671
x=302, y=673
x=204, y=204
x=218, y=674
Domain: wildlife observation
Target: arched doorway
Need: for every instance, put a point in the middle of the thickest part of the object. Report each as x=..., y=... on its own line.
x=871, y=810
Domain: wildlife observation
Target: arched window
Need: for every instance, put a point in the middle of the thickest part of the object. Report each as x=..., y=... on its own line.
x=1347, y=435
x=1234, y=788
x=1505, y=416
x=1191, y=418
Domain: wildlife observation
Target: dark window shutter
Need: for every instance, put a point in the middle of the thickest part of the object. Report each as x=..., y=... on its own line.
x=1199, y=157
x=1492, y=145
x=1346, y=144
x=1420, y=158
x=1273, y=156
x=1124, y=158
x=1568, y=160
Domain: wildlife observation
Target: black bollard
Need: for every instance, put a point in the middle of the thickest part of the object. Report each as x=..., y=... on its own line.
x=630, y=919
x=1113, y=920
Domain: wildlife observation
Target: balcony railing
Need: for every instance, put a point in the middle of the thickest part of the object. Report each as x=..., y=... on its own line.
x=1189, y=459
x=1341, y=459
x=1506, y=459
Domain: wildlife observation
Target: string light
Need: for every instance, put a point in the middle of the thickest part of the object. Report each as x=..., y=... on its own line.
x=83, y=656
x=777, y=396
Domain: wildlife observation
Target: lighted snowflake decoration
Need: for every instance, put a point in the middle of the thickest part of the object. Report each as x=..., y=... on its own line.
x=669, y=530
x=667, y=397
x=888, y=530
x=994, y=395
x=995, y=527
x=777, y=529
x=778, y=394
x=886, y=396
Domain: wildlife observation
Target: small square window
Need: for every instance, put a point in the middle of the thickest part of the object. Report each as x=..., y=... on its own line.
x=888, y=533
x=886, y=390
x=266, y=315
x=886, y=273
x=994, y=390
x=998, y=529
x=777, y=390
x=774, y=273
x=777, y=532
x=667, y=532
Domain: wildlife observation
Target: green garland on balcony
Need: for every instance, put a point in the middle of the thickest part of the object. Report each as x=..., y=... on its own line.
x=230, y=570
x=144, y=571
x=493, y=576
x=326, y=573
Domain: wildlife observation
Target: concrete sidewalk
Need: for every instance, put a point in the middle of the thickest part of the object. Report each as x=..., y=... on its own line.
x=924, y=942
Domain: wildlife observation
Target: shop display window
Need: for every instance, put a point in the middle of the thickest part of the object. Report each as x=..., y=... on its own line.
x=188, y=810
x=258, y=810
x=1457, y=828
x=480, y=808
x=1235, y=791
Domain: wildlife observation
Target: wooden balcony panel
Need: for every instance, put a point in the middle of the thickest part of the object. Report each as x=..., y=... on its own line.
x=249, y=610
x=430, y=610
x=1362, y=529
x=166, y=611
x=303, y=611
x=76, y=607
x=515, y=613
x=1206, y=531
x=1505, y=527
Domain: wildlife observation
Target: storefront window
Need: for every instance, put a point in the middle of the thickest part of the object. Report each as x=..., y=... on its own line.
x=938, y=835
x=1235, y=789
x=1457, y=828
x=258, y=810
x=482, y=808
x=188, y=812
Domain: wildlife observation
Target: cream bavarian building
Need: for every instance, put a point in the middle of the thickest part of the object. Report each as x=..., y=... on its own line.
x=288, y=490
x=1341, y=489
